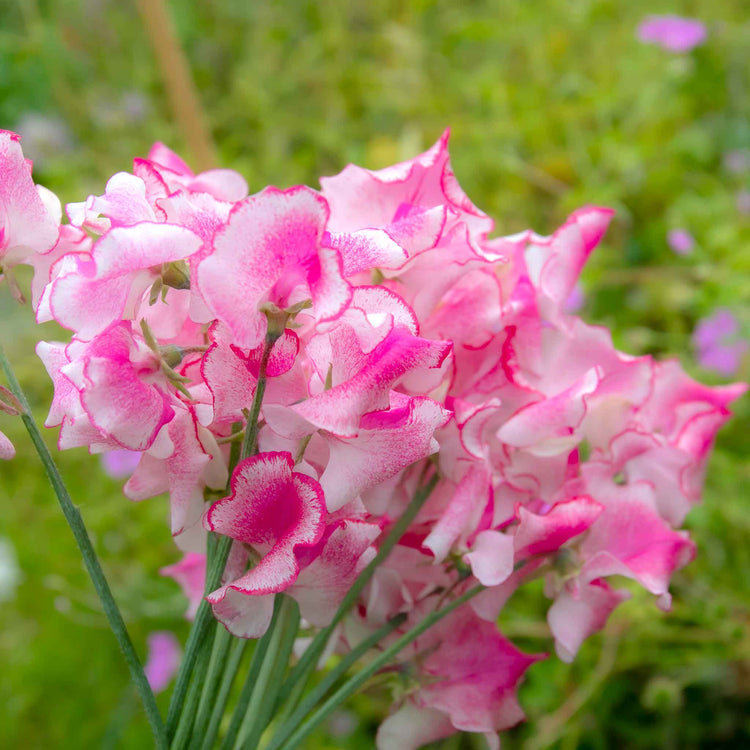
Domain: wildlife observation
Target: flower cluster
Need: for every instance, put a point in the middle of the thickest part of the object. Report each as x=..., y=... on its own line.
x=392, y=346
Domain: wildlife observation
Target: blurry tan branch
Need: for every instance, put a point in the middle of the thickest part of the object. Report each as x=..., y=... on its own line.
x=175, y=71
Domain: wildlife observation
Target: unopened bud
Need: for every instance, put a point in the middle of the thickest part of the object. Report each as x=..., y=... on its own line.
x=172, y=355
x=176, y=275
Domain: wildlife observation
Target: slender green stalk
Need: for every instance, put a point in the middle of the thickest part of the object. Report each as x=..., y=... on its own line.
x=266, y=688
x=216, y=664
x=77, y=526
x=230, y=673
x=287, y=720
x=259, y=655
x=197, y=638
x=306, y=664
x=250, y=440
x=353, y=684
x=219, y=556
x=184, y=728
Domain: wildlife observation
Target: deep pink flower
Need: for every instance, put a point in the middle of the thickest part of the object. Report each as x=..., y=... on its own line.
x=673, y=33
x=278, y=512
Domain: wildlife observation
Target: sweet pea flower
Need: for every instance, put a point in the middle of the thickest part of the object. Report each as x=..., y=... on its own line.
x=672, y=33
x=163, y=660
x=29, y=214
x=387, y=345
x=7, y=451
x=120, y=464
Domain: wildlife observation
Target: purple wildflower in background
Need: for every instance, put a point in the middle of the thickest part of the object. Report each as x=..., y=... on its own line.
x=164, y=656
x=681, y=241
x=120, y=464
x=672, y=33
x=717, y=343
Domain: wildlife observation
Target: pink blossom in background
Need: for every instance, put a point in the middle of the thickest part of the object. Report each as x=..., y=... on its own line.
x=190, y=574
x=120, y=464
x=717, y=343
x=742, y=202
x=576, y=299
x=164, y=655
x=737, y=160
x=672, y=33
x=681, y=241
x=7, y=451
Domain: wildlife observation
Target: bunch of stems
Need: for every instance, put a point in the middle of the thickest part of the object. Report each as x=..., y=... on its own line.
x=275, y=709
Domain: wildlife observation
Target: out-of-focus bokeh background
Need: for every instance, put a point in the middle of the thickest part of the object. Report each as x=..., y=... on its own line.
x=552, y=104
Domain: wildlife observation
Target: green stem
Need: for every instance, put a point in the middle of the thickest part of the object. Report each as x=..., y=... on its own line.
x=197, y=638
x=216, y=664
x=267, y=685
x=77, y=526
x=230, y=673
x=184, y=728
x=306, y=664
x=288, y=720
x=353, y=684
x=250, y=440
x=215, y=567
x=240, y=710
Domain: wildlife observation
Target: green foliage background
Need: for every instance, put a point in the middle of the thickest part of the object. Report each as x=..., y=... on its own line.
x=552, y=104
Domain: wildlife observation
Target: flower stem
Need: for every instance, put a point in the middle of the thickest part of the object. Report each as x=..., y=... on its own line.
x=306, y=664
x=288, y=719
x=197, y=638
x=353, y=684
x=243, y=701
x=219, y=554
x=267, y=685
x=230, y=673
x=250, y=440
x=77, y=526
x=185, y=726
x=216, y=664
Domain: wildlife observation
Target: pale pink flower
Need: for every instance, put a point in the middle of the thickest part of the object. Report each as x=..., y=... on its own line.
x=29, y=215
x=190, y=574
x=120, y=464
x=673, y=33
x=576, y=299
x=164, y=654
x=7, y=451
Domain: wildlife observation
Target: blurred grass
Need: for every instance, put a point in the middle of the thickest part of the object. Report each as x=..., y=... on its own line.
x=552, y=104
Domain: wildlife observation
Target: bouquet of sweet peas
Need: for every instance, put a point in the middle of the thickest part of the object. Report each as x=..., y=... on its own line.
x=374, y=423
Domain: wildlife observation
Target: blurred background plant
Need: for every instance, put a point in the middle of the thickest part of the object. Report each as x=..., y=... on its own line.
x=552, y=105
